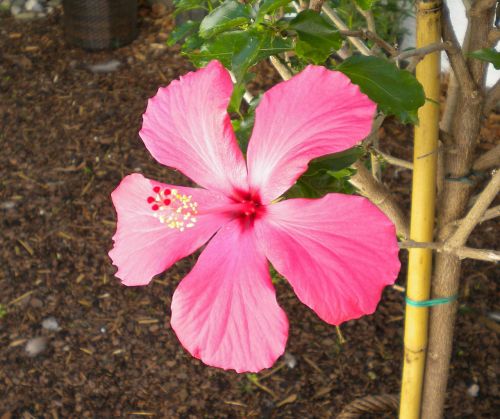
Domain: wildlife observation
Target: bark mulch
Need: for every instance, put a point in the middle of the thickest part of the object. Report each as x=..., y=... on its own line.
x=67, y=137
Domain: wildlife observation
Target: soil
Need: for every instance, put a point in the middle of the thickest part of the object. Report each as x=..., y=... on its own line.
x=68, y=136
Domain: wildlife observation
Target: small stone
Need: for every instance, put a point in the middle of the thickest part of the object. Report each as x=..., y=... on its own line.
x=50, y=323
x=36, y=346
x=33, y=6
x=105, y=67
x=473, y=390
x=290, y=360
x=7, y=205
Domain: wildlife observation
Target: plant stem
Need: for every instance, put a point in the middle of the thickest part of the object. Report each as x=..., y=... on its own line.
x=465, y=133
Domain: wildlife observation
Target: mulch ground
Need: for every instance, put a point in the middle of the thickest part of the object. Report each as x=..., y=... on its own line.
x=67, y=138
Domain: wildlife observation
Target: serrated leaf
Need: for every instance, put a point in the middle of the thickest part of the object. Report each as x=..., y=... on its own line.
x=269, y=6
x=317, y=38
x=228, y=15
x=397, y=92
x=489, y=55
x=182, y=31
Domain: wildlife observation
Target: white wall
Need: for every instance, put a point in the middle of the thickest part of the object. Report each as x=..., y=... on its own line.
x=459, y=20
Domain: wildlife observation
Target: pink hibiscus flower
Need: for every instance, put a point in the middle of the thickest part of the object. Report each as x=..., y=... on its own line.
x=337, y=252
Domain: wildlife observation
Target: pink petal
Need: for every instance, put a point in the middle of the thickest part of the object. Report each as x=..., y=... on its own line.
x=315, y=113
x=338, y=252
x=186, y=126
x=225, y=311
x=143, y=246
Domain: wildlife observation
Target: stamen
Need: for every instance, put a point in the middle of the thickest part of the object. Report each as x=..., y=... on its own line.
x=174, y=209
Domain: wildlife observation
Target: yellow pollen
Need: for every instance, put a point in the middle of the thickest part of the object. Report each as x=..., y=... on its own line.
x=174, y=209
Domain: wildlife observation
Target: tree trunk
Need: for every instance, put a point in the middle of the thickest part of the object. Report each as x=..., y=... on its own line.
x=456, y=194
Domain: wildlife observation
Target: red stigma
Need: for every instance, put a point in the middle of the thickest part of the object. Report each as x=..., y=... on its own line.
x=167, y=192
x=155, y=207
x=150, y=200
x=156, y=189
x=167, y=201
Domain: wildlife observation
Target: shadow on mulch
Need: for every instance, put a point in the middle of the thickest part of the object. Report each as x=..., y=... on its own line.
x=68, y=136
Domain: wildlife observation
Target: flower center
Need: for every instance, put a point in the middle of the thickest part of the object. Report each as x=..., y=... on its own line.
x=248, y=206
x=174, y=209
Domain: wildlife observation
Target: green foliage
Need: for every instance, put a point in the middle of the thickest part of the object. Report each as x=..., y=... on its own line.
x=365, y=4
x=317, y=38
x=326, y=174
x=397, y=92
x=182, y=6
x=3, y=311
x=242, y=34
x=182, y=31
x=489, y=55
x=228, y=15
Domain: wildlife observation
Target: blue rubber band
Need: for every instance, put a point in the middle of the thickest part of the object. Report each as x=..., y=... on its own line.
x=430, y=303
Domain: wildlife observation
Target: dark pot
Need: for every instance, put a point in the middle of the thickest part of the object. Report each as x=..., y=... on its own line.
x=100, y=24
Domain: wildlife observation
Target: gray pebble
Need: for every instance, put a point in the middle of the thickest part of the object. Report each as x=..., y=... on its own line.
x=50, y=323
x=105, y=67
x=36, y=346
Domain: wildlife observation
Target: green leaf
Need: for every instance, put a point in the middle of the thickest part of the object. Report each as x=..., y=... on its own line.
x=182, y=31
x=337, y=161
x=186, y=5
x=365, y=4
x=327, y=174
x=397, y=92
x=239, y=50
x=488, y=54
x=246, y=56
x=269, y=6
x=317, y=38
x=228, y=15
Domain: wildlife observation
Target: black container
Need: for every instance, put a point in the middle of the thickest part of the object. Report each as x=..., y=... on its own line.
x=100, y=24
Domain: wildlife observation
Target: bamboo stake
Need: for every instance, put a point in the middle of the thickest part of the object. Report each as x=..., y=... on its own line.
x=422, y=211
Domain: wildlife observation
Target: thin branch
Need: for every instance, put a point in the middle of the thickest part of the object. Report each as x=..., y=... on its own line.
x=282, y=68
x=488, y=160
x=316, y=5
x=422, y=52
x=456, y=57
x=418, y=55
x=462, y=252
x=338, y=22
x=481, y=6
x=395, y=161
x=475, y=214
x=381, y=197
x=372, y=36
x=368, y=15
x=492, y=98
x=490, y=214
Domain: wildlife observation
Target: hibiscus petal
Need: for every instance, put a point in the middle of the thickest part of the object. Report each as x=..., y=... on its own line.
x=225, y=311
x=338, y=252
x=315, y=113
x=186, y=126
x=143, y=245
